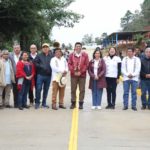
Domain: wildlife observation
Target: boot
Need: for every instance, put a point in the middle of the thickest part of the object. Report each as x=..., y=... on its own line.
x=80, y=105
x=54, y=107
x=73, y=105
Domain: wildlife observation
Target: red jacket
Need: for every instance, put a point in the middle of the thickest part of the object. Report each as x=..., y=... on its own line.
x=81, y=63
x=21, y=74
x=100, y=73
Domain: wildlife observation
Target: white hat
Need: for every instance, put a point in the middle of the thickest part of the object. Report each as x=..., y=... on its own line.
x=62, y=82
x=45, y=45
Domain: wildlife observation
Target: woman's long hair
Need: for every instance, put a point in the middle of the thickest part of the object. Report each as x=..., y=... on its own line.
x=97, y=50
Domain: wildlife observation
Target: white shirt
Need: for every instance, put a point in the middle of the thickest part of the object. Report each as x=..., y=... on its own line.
x=33, y=56
x=112, y=66
x=16, y=58
x=7, y=72
x=131, y=66
x=96, y=62
x=58, y=66
x=78, y=54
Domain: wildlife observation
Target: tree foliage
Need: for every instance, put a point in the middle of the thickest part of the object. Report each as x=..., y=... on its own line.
x=126, y=20
x=87, y=38
x=137, y=20
x=33, y=20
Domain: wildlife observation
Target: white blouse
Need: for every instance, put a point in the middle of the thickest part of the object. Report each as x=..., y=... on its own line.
x=96, y=62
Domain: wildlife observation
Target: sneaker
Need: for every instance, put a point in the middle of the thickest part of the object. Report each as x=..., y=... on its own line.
x=1, y=107
x=72, y=106
x=45, y=106
x=8, y=106
x=20, y=108
x=62, y=107
x=134, y=108
x=37, y=106
x=54, y=108
x=149, y=107
x=26, y=106
x=80, y=106
x=99, y=107
x=93, y=107
x=125, y=108
x=108, y=107
x=31, y=104
x=112, y=107
x=143, y=107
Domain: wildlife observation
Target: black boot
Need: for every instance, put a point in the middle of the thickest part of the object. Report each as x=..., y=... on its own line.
x=73, y=105
x=143, y=107
x=80, y=105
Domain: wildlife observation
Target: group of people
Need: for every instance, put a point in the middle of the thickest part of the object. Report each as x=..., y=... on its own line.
x=25, y=72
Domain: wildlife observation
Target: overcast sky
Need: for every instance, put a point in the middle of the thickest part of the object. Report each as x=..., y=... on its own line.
x=99, y=16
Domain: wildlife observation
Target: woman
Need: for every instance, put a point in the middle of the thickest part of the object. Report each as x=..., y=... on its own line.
x=97, y=69
x=113, y=72
x=25, y=75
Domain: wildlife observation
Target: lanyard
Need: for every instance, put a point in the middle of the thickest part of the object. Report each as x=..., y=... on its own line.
x=78, y=64
x=133, y=66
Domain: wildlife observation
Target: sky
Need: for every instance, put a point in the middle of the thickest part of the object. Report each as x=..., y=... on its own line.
x=99, y=16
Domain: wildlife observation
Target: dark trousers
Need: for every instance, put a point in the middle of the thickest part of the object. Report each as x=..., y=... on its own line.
x=15, y=94
x=31, y=93
x=145, y=87
x=111, y=91
x=42, y=82
x=22, y=94
x=75, y=81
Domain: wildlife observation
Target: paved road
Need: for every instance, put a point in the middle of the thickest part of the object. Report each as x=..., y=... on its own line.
x=45, y=129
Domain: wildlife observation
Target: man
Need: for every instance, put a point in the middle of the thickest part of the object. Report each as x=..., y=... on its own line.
x=42, y=64
x=59, y=67
x=32, y=56
x=55, y=45
x=6, y=79
x=145, y=78
x=14, y=57
x=78, y=64
x=137, y=52
x=131, y=67
x=66, y=53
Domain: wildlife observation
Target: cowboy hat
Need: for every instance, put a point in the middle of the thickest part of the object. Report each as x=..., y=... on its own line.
x=62, y=82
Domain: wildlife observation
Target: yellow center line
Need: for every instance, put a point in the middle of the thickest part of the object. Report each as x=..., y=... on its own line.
x=73, y=142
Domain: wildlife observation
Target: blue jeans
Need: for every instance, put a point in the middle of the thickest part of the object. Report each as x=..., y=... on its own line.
x=96, y=94
x=126, y=87
x=145, y=87
x=42, y=82
x=22, y=94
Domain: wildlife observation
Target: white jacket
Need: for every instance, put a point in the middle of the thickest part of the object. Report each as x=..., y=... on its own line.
x=131, y=66
x=58, y=66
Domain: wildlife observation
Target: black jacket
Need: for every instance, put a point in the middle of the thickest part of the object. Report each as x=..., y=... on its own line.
x=42, y=63
x=145, y=68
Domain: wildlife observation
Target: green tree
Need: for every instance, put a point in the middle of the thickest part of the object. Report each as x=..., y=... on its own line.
x=104, y=35
x=32, y=20
x=138, y=20
x=87, y=38
x=146, y=11
x=70, y=47
x=126, y=20
x=98, y=40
